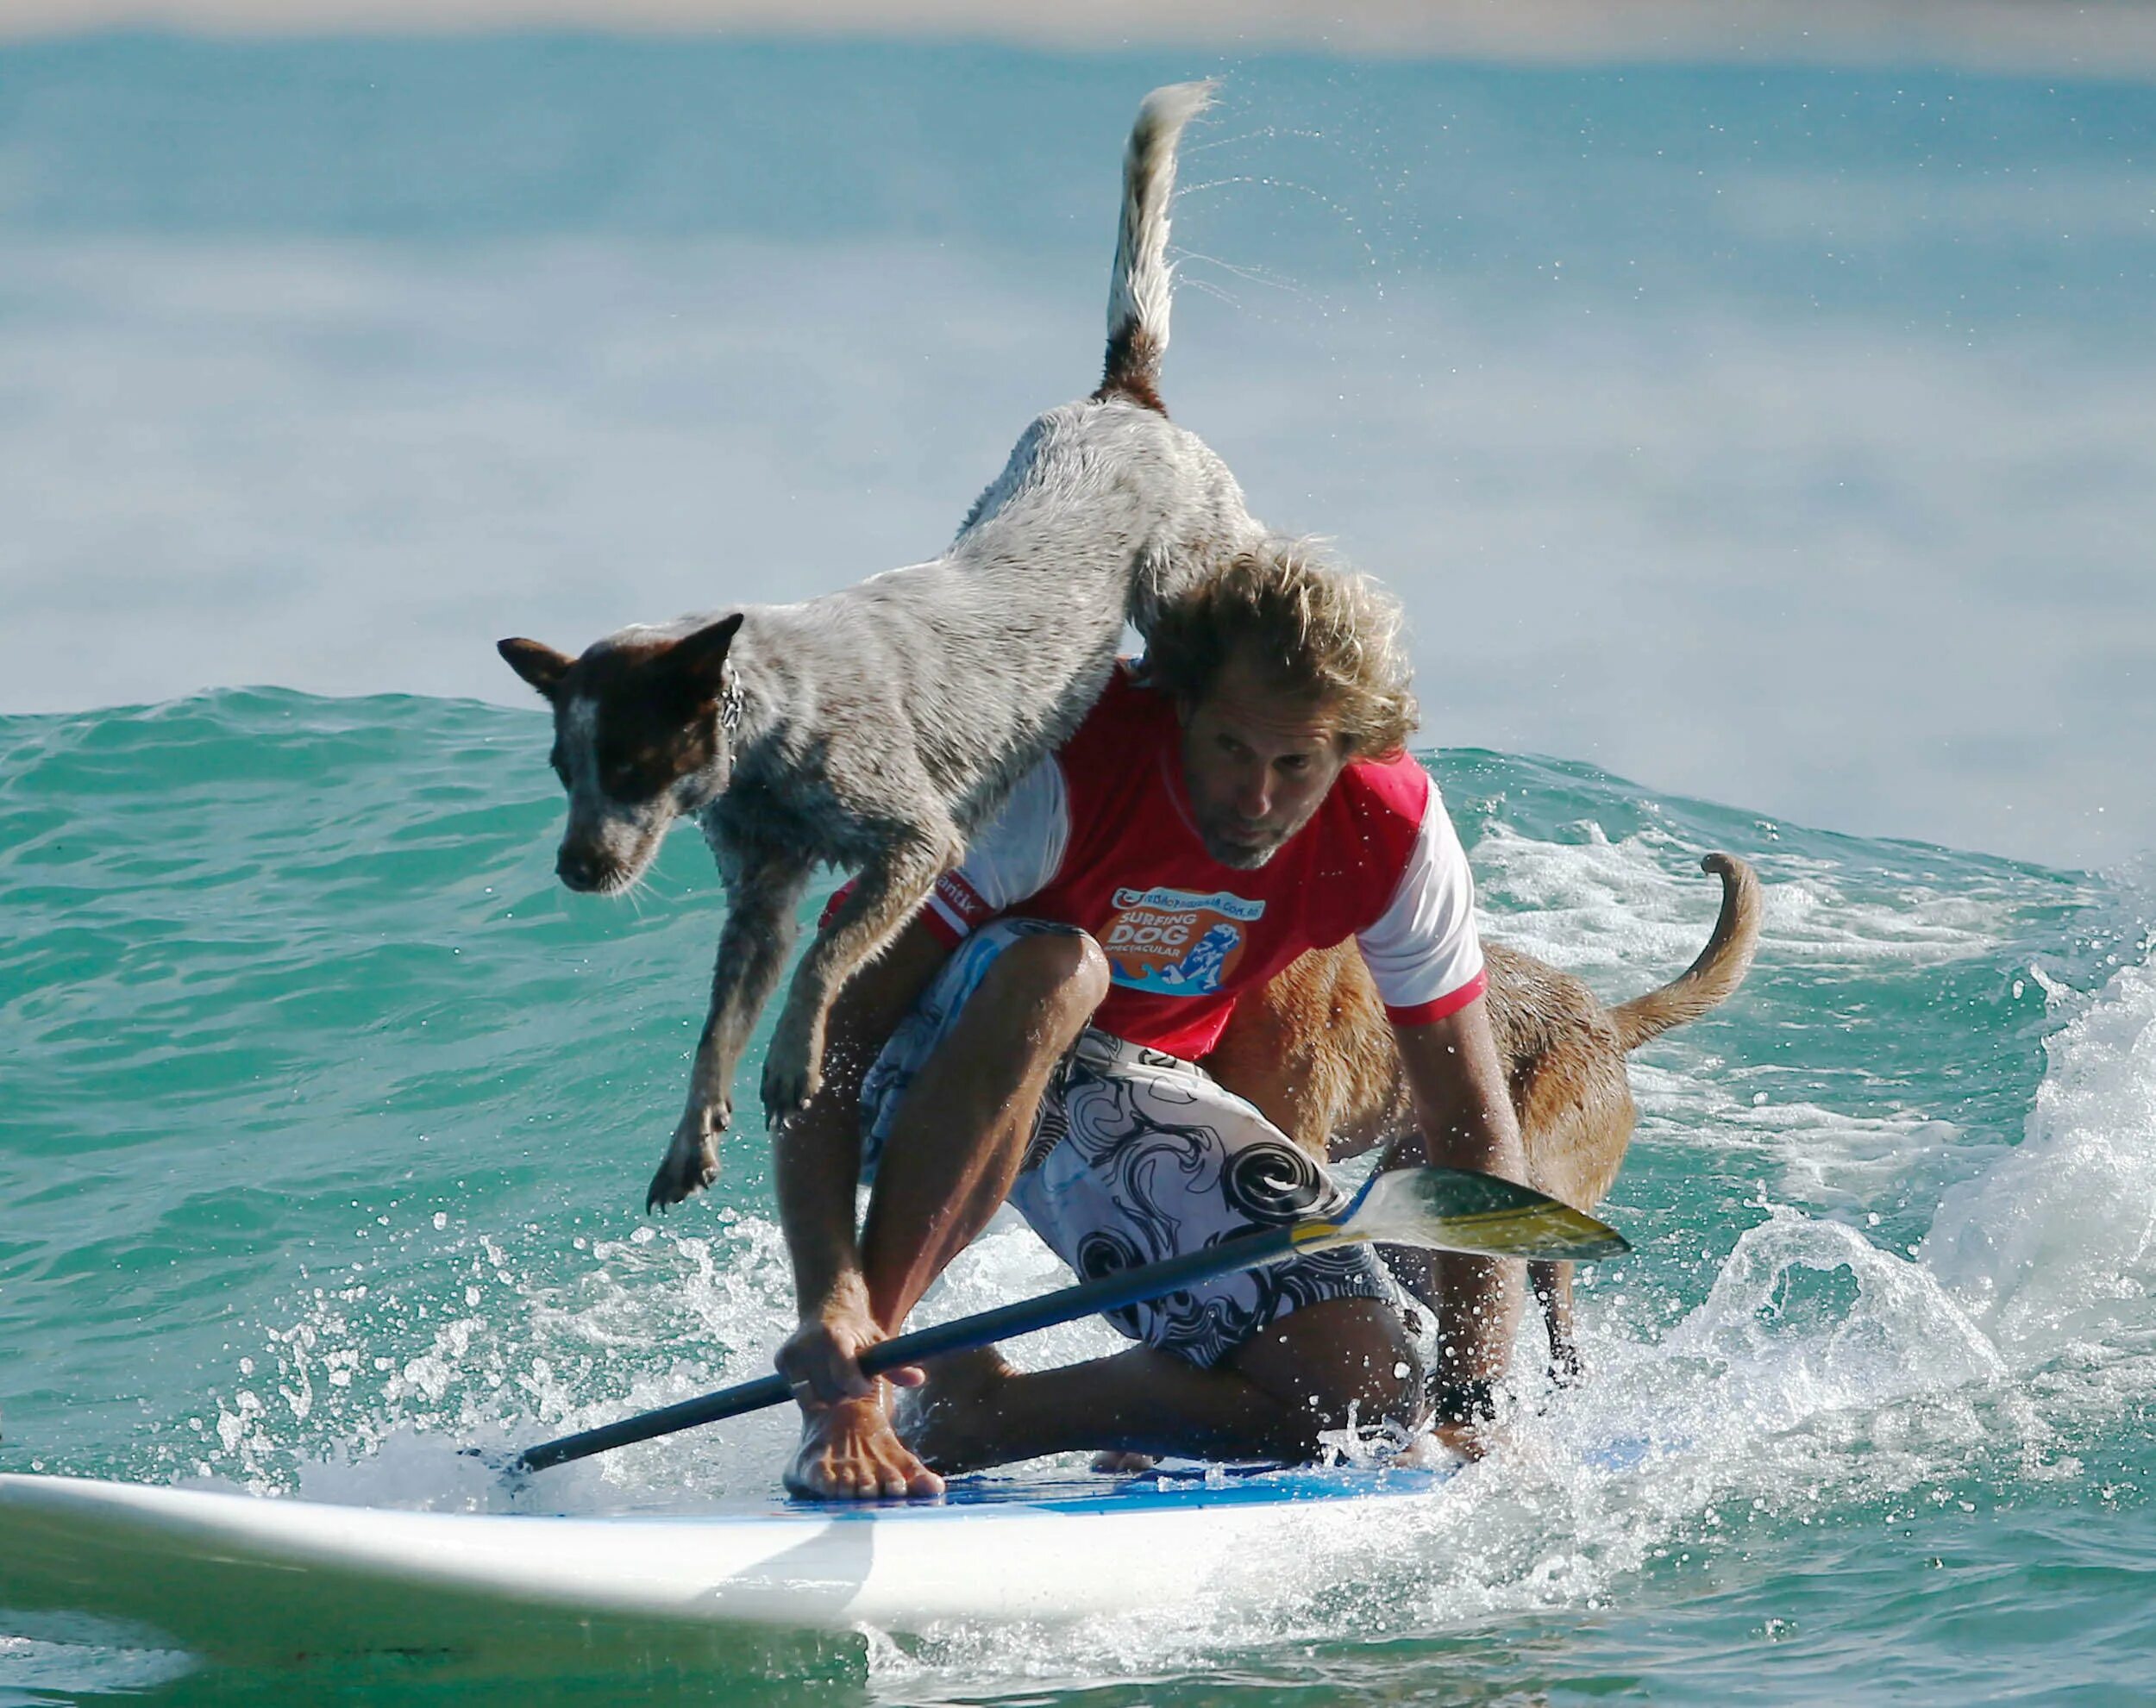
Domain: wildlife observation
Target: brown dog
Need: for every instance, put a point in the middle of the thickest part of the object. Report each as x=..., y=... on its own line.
x=1314, y=1051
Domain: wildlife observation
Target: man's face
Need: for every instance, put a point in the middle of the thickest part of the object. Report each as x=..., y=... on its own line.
x=1257, y=759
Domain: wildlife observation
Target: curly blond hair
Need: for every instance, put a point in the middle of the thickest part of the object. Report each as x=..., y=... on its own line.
x=1315, y=629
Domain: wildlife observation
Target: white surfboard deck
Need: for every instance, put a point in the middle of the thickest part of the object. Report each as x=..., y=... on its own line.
x=239, y=1577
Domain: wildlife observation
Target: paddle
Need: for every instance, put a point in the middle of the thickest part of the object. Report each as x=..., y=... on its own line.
x=1439, y=1209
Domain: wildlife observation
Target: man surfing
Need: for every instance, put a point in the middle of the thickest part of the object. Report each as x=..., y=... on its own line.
x=1243, y=798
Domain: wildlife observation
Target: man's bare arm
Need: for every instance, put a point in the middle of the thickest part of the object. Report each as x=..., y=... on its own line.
x=1465, y=1112
x=817, y=1169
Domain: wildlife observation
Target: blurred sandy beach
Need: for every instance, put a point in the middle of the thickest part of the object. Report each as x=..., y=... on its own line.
x=2116, y=38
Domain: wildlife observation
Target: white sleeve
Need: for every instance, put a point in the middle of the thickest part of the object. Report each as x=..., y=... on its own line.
x=1010, y=857
x=1422, y=951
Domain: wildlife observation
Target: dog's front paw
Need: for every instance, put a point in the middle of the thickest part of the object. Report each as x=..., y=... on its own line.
x=792, y=1068
x=691, y=1162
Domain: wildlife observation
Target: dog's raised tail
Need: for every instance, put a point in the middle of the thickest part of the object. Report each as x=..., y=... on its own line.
x=1140, y=293
x=1720, y=969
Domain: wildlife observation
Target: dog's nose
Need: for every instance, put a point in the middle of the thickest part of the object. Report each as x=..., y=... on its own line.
x=577, y=869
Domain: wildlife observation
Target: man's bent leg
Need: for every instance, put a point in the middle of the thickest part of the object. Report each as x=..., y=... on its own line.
x=1154, y=1159
x=961, y=1130
x=1311, y=1370
x=948, y=1160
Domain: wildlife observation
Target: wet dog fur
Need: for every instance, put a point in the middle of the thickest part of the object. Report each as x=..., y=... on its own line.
x=875, y=729
x=1313, y=1050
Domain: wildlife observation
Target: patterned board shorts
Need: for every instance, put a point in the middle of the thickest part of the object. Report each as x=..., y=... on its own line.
x=1136, y=1156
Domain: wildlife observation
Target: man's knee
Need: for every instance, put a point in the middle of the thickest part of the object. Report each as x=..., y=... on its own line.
x=1333, y=1360
x=1060, y=974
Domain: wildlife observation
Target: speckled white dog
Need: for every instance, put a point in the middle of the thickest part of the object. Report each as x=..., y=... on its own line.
x=875, y=729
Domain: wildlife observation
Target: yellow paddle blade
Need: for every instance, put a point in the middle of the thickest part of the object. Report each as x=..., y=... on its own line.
x=1458, y=1209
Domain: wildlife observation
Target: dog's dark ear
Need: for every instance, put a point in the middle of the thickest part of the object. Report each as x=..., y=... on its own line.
x=698, y=660
x=537, y=663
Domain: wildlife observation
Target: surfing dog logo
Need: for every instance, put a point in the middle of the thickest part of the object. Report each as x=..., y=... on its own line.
x=1174, y=943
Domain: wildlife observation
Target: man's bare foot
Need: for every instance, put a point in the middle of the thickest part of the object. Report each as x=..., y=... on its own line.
x=951, y=1422
x=849, y=1451
x=1115, y=1462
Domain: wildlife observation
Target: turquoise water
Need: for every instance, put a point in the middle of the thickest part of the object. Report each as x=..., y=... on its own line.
x=1780, y=434
x=329, y=1116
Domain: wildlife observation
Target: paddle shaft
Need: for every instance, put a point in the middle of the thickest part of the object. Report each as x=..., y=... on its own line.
x=1087, y=1299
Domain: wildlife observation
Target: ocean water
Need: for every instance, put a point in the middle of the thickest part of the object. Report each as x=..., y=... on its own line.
x=329, y=1116
x=1780, y=437
x=1766, y=433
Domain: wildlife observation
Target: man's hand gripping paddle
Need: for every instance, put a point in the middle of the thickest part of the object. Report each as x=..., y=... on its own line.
x=1439, y=1209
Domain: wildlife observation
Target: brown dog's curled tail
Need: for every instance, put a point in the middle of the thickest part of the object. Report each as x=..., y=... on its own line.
x=1140, y=293
x=1720, y=969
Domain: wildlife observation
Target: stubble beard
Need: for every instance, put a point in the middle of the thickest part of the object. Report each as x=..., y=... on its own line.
x=1244, y=856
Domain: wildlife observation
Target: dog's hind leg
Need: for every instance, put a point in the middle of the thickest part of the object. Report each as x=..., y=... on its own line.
x=889, y=891
x=763, y=897
x=1552, y=1284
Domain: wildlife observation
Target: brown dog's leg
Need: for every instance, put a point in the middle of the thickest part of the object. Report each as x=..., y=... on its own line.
x=887, y=893
x=1553, y=1283
x=763, y=893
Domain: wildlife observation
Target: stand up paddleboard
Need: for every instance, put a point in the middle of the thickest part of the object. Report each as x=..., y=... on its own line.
x=233, y=1576
x=243, y=1578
